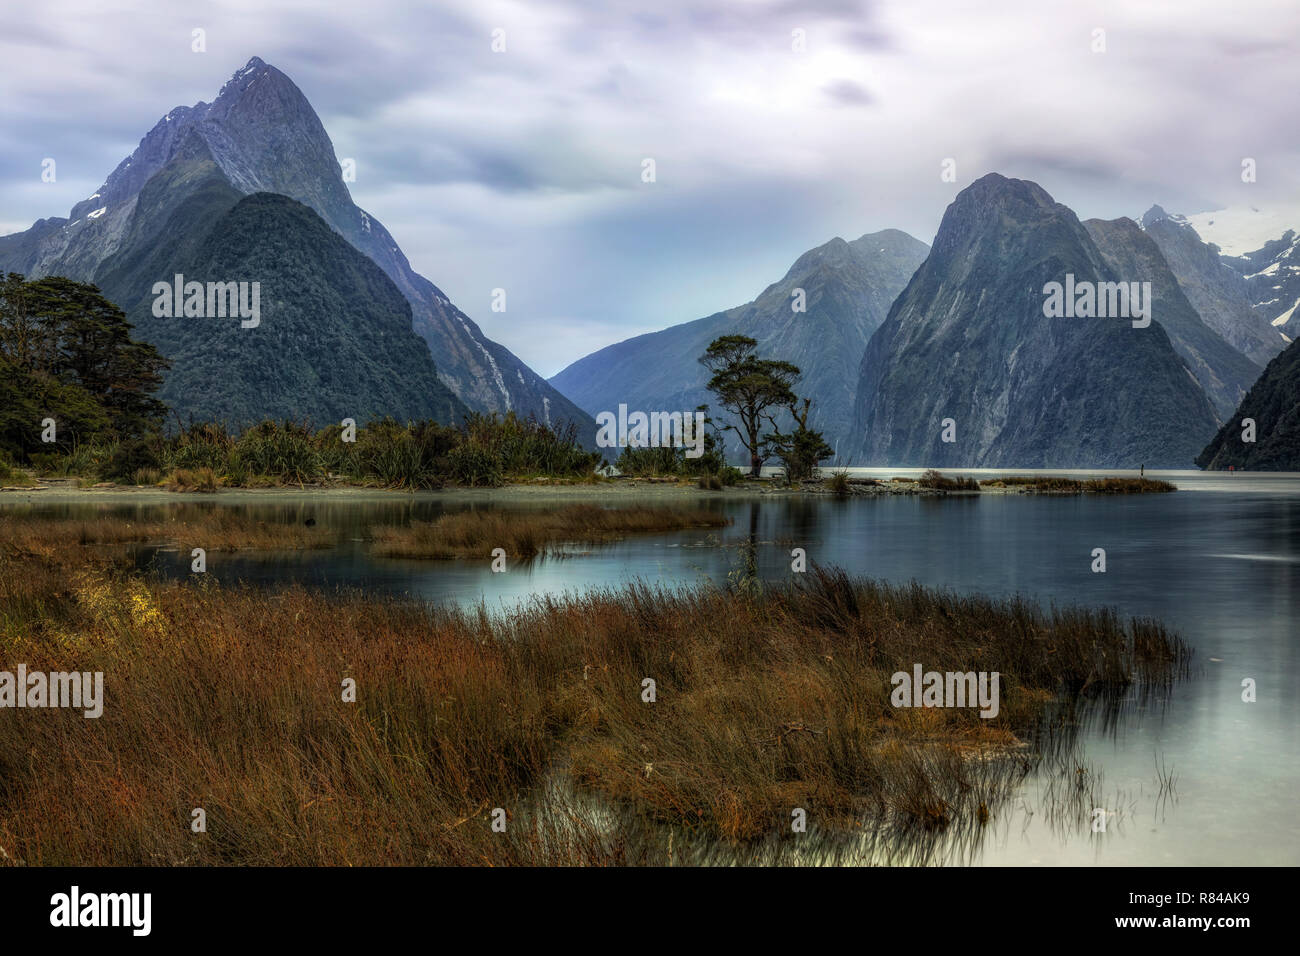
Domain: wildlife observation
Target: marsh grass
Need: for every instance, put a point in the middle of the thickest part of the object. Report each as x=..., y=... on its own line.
x=767, y=699
x=937, y=481
x=217, y=529
x=476, y=533
x=1050, y=484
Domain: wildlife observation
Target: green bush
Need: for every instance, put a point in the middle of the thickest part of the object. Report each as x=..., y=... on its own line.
x=475, y=466
x=132, y=456
x=285, y=450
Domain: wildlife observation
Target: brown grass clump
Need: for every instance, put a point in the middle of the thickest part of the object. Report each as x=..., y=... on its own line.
x=232, y=700
x=1127, y=486
x=1052, y=484
x=838, y=482
x=526, y=534
x=192, y=479
x=939, y=482
x=218, y=529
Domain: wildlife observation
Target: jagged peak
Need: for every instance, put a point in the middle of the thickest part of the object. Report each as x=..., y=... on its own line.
x=250, y=69
x=1157, y=213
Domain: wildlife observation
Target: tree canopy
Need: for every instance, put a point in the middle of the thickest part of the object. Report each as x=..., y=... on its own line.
x=66, y=353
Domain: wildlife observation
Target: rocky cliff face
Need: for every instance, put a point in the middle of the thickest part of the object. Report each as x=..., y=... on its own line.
x=967, y=346
x=1224, y=373
x=263, y=136
x=1273, y=405
x=847, y=289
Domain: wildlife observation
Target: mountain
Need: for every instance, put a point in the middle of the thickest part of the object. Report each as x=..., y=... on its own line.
x=968, y=340
x=848, y=287
x=1274, y=404
x=1272, y=274
x=333, y=338
x=263, y=136
x=1216, y=291
x=1224, y=373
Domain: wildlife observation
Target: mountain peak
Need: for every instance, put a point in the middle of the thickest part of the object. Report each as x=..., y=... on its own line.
x=242, y=79
x=1157, y=214
x=995, y=185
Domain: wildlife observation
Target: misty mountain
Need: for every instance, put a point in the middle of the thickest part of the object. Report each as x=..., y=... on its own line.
x=968, y=340
x=263, y=136
x=847, y=287
x=1224, y=373
x=1217, y=291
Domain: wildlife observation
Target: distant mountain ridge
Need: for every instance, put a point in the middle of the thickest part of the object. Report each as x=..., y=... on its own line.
x=264, y=136
x=848, y=287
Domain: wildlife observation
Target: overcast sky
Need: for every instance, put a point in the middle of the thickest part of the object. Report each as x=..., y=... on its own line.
x=522, y=169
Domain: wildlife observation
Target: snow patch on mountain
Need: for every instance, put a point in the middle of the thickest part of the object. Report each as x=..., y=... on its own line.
x=1237, y=230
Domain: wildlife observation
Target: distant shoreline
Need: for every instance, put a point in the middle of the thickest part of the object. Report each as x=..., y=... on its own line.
x=609, y=490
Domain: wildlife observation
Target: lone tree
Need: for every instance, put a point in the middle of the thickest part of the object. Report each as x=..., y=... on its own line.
x=803, y=448
x=751, y=389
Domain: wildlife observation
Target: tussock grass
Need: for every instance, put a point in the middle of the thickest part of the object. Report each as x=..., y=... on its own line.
x=838, y=482
x=939, y=482
x=230, y=700
x=525, y=534
x=1098, y=486
x=196, y=479
x=218, y=529
x=1127, y=486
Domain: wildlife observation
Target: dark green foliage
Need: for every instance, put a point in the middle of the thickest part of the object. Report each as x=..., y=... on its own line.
x=671, y=460
x=749, y=388
x=486, y=451
x=131, y=456
x=286, y=450
x=1274, y=404
x=334, y=339
x=802, y=449
x=66, y=353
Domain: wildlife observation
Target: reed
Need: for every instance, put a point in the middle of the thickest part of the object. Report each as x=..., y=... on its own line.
x=475, y=533
x=231, y=700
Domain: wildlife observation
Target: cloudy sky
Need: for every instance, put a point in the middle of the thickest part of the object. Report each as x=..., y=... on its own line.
x=522, y=169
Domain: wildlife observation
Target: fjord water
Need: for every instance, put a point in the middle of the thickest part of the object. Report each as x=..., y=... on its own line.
x=1218, y=562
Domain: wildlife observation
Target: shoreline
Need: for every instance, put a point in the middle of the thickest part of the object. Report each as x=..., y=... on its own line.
x=883, y=483
x=628, y=489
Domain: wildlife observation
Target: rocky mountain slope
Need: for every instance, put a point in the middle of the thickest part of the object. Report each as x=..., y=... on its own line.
x=1274, y=405
x=1217, y=292
x=968, y=341
x=1224, y=373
